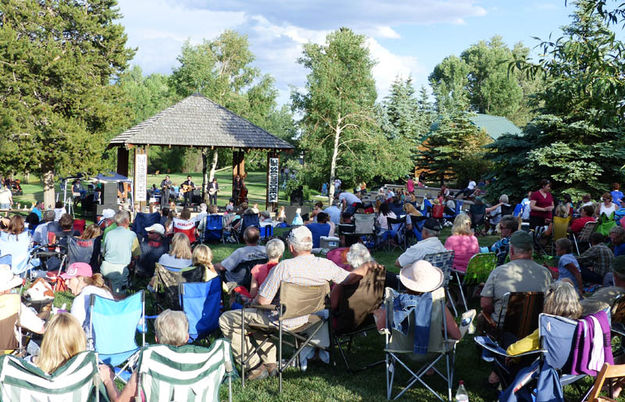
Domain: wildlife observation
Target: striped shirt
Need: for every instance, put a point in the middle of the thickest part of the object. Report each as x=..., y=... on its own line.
x=307, y=270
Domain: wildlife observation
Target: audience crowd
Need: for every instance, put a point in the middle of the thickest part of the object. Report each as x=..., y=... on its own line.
x=111, y=257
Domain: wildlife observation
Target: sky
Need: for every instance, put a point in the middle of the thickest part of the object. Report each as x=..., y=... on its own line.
x=405, y=37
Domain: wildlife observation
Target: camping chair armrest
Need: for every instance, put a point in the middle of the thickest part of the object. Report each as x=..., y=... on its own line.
x=488, y=318
x=492, y=347
x=268, y=307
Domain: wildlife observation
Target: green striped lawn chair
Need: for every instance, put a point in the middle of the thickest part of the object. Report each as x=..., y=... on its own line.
x=479, y=267
x=76, y=381
x=184, y=373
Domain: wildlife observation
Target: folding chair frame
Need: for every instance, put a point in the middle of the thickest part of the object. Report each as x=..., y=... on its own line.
x=584, y=234
x=445, y=261
x=299, y=341
x=339, y=341
x=132, y=360
x=391, y=358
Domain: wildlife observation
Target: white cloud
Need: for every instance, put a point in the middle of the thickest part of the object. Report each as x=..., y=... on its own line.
x=277, y=31
x=390, y=66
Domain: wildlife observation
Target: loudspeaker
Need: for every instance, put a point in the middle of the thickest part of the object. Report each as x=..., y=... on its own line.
x=109, y=193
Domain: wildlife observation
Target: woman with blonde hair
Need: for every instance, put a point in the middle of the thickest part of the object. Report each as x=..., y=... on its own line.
x=64, y=338
x=462, y=242
x=561, y=299
x=203, y=257
x=180, y=255
x=411, y=212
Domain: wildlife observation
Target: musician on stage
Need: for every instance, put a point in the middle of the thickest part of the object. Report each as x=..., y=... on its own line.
x=236, y=189
x=187, y=188
x=213, y=188
x=165, y=187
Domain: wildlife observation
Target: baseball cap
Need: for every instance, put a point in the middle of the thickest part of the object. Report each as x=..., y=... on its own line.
x=523, y=240
x=77, y=269
x=157, y=228
x=108, y=213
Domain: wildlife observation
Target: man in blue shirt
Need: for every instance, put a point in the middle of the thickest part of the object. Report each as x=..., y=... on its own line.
x=319, y=228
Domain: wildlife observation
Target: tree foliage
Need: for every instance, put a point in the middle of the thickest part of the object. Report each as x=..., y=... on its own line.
x=480, y=81
x=577, y=141
x=340, y=133
x=57, y=104
x=454, y=149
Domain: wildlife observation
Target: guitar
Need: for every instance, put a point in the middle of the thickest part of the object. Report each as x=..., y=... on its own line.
x=185, y=188
x=212, y=191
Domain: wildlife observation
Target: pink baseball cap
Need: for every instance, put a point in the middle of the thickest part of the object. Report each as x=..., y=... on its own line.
x=77, y=269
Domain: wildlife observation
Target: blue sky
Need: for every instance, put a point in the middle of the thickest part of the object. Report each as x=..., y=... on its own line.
x=404, y=37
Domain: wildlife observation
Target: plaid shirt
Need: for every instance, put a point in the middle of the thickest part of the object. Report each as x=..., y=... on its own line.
x=501, y=248
x=306, y=270
x=599, y=257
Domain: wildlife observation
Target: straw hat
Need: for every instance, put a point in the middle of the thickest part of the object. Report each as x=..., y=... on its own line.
x=421, y=276
x=7, y=279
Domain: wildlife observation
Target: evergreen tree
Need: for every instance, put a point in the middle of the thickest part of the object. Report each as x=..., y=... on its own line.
x=58, y=107
x=578, y=140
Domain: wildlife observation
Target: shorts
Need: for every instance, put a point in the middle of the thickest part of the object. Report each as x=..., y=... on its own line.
x=116, y=274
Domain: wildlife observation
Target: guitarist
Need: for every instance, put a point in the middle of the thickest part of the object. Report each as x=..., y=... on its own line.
x=187, y=188
x=165, y=186
x=213, y=188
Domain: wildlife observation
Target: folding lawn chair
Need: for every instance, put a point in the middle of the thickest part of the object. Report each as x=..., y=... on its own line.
x=445, y=261
x=213, y=229
x=77, y=380
x=247, y=267
x=364, y=226
x=168, y=280
x=521, y=316
x=584, y=235
x=112, y=330
x=10, y=339
x=247, y=221
x=608, y=372
x=201, y=303
x=440, y=349
x=266, y=232
x=144, y=220
x=556, y=335
x=479, y=268
x=184, y=373
x=397, y=228
x=363, y=299
x=477, y=212
x=295, y=301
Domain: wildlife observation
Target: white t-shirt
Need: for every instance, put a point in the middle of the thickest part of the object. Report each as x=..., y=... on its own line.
x=80, y=306
x=383, y=220
x=349, y=198
x=607, y=210
x=5, y=196
x=431, y=245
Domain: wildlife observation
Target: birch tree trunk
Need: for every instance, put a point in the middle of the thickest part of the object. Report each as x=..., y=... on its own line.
x=335, y=153
x=48, y=189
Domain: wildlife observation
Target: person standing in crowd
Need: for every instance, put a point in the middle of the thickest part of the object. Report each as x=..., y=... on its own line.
x=541, y=205
x=337, y=185
x=118, y=249
x=188, y=186
x=410, y=185
x=166, y=184
x=617, y=195
x=237, y=184
x=213, y=189
x=6, y=198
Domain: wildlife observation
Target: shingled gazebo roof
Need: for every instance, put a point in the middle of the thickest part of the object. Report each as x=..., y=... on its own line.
x=199, y=122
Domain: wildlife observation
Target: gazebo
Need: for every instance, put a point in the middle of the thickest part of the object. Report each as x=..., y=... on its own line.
x=198, y=122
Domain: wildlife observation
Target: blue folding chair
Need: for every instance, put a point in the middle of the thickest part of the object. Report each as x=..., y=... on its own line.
x=112, y=330
x=249, y=220
x=213, y=229
x=266, y=232
x=201, y=303
x=144, y=220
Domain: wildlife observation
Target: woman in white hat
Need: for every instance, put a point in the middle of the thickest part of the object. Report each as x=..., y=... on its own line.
x=422, y=277
x=27, y=317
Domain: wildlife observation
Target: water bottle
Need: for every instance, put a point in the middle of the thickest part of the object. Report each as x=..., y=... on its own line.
x=461, y=394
